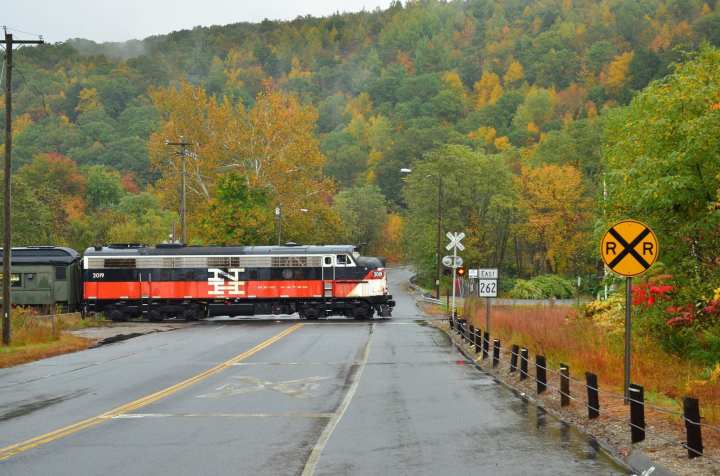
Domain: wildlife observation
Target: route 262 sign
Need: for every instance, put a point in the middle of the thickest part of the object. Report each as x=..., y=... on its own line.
x=629, y=248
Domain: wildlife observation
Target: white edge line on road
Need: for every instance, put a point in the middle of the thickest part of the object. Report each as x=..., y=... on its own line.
x=314, y=458
x=132, y=416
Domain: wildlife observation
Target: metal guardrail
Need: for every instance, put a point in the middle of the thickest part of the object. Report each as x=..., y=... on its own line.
x=429, y=299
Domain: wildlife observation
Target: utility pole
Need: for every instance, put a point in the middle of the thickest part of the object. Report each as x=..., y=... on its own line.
x=183, y=187
x=439, y=237
x=7, y=205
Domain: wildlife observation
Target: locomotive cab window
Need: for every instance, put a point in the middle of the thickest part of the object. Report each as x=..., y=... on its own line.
x=328, y=261
x=343, y=260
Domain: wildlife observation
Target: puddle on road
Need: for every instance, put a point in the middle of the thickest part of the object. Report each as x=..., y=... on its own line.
x=16, y=409
x=535, y=423
x=538, y=422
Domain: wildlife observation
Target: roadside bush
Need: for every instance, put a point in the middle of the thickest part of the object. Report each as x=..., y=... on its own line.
x=543, y=287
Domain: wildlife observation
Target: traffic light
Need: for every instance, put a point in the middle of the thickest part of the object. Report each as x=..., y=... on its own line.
x=461, y=271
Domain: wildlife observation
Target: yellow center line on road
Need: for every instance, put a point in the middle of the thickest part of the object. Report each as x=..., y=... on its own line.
x=13, y=450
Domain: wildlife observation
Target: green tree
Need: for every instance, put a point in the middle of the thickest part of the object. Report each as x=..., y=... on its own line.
x=238, y=214
x=363, y=213
x=31, y=217
x=663, y=158
x=478, y=199
x=103, y=187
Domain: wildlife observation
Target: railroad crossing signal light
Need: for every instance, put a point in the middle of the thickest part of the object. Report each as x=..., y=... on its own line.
x=461, y=271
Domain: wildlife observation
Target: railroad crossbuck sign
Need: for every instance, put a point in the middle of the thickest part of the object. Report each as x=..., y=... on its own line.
x=455, y=239
x=629, y=248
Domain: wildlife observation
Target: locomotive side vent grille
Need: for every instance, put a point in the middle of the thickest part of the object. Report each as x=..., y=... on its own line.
x=119, y=262
x=296, y=261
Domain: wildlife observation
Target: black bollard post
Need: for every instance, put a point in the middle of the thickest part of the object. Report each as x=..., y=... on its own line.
x=541, y=373
x=514, y=357
x=496, y=352
x=471, y=334
x=523, y=363
x=691, y=412
x=593, y=397
x=485, y=345
x=451, y=322
x=564, y=385
x=637, y=413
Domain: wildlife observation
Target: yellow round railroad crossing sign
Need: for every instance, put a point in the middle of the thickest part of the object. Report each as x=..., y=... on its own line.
x=629, y=248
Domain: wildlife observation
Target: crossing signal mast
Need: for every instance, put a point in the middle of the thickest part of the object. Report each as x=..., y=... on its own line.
x=9, y=42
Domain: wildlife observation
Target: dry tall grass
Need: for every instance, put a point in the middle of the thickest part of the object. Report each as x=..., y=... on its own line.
x=561, y=336
x=35, y=337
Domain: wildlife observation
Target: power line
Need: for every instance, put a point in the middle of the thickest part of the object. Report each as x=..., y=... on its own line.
x=6, y=28
x=34, y=88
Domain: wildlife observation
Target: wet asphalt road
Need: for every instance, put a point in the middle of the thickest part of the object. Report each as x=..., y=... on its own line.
x=330, y=397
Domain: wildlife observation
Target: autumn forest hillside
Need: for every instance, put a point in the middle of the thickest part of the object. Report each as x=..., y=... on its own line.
x=520, y=109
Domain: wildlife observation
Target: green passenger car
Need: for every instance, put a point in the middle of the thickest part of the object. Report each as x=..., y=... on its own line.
x=43, y=276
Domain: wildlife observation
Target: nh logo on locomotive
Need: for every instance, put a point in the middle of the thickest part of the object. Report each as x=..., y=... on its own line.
x=226, y=283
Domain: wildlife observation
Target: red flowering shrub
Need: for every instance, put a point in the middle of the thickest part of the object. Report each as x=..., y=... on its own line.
x=713, y=308
x=681, y=315
x=647, y=294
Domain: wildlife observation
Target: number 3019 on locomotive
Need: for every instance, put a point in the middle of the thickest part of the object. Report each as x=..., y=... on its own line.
x=189, y=282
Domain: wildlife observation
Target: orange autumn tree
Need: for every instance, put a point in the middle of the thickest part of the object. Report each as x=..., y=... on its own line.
x=556, y=216
x=209, y=124
x=271, y=148
x=59, y=186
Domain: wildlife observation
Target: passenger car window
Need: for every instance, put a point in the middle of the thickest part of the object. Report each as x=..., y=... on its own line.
x=43, y=280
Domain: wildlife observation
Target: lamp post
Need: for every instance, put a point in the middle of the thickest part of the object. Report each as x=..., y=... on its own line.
x=439, y=227
x=278, y=224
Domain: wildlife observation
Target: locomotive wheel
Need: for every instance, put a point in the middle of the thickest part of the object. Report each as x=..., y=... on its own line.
x=309, y=313
x=117, y=315
x=155, y=316
x=192, y=313
x=363, y=312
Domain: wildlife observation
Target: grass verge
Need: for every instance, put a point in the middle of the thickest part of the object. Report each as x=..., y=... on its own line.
x=561, y=337
x=40, y=336
x=20, y=354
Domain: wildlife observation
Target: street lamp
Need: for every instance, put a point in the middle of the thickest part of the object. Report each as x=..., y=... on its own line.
x=278, y=220
x=278, y=224
x=439, y=227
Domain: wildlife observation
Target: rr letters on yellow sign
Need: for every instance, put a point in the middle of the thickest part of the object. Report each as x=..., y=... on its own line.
x=629, y=248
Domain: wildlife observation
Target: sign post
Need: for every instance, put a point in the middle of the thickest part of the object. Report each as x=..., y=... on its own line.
x=628, y=249
x=487, y=286
x=454, y=245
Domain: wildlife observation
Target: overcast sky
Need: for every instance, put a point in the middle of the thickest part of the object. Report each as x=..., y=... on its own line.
x=120, y=20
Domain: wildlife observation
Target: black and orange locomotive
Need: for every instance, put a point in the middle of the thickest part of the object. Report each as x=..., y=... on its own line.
x=165, y=281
